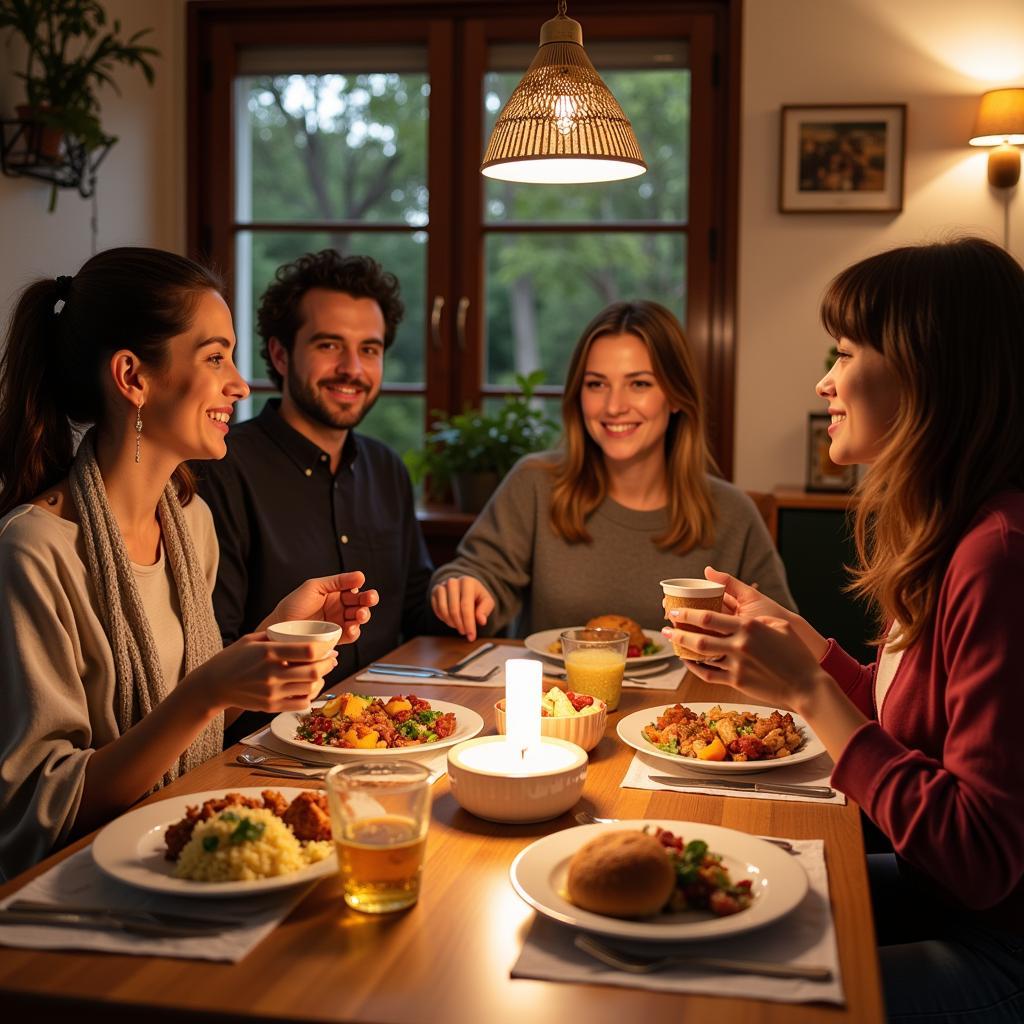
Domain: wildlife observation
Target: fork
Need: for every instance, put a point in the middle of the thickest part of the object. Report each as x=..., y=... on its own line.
x=586, y=818
x=247, y=757
x=635, y=964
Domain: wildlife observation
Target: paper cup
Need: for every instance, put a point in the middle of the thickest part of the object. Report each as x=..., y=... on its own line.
x=322, y=635
x=702, y=594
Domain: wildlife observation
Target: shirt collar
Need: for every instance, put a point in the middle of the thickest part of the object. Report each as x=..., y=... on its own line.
x=303, y=452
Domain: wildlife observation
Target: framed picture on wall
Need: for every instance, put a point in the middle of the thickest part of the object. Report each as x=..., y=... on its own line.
x=822, y=473
x=844, y=158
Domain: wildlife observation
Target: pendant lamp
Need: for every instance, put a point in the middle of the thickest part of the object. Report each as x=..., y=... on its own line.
x=562, y=125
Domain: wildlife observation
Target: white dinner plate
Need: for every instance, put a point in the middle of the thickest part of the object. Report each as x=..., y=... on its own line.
x=467, y=724
x=539, y=643
x=779, y=883
x=131, y=849
x=631, y=731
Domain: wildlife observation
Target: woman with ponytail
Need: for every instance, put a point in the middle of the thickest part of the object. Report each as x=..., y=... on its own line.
x=927, y=390
x=627, y=501
x=112, y=676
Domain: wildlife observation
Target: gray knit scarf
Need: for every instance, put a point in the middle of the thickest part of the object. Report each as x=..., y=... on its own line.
x=140, y=683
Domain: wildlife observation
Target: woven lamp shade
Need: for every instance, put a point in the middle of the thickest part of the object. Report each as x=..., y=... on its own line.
x=562, y=124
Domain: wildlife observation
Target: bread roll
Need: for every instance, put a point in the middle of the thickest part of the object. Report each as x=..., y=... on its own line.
x=621, y=874
x=636, y=634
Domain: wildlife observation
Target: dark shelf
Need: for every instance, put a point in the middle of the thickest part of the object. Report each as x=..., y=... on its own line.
x=74, y=166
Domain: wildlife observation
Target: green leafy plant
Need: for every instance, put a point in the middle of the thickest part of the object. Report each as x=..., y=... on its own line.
x=477, y=442
x=71, y=52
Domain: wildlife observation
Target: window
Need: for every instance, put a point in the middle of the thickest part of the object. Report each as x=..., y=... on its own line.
x=363, y=131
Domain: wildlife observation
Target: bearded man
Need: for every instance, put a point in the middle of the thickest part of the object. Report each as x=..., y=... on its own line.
x=299, y=493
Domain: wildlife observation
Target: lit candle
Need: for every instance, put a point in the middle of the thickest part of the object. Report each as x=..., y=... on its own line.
x=522, y=704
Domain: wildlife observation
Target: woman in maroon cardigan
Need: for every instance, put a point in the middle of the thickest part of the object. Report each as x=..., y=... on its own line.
x=927, y=390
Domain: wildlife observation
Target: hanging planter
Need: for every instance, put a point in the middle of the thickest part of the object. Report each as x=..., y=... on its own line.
x=70, y=52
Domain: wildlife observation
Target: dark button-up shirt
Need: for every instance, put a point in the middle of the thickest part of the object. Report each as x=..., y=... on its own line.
x=283, y=517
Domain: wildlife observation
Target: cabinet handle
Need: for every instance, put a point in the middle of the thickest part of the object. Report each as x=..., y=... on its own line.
x=435, y=321
x=460, y=323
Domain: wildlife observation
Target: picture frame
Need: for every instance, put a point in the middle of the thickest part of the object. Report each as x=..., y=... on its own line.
x=842, y=158
x=822, y=473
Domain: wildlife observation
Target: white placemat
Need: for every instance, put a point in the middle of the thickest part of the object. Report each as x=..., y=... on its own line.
x=435, y=761
x=668, y=679
x=77, y=880
x=816, y=772
x=807, y=936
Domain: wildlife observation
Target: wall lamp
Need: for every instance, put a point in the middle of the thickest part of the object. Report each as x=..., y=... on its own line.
x=1000, y=123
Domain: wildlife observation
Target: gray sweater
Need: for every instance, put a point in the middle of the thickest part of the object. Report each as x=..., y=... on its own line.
x=533, y=573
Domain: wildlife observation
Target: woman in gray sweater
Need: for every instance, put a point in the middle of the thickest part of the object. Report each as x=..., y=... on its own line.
x=627, y=501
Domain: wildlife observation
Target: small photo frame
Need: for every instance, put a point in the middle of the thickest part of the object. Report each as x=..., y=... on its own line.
x=822, y=473
x=844, y=158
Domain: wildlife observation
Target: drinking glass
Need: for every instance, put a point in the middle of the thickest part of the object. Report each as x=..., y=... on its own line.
x=380, y=812
x=595, y=661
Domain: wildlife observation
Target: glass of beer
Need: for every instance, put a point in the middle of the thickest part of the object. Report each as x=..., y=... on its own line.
x=595, y=662
x=380, y=812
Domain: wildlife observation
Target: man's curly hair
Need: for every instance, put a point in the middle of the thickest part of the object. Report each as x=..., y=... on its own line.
x=360, y=276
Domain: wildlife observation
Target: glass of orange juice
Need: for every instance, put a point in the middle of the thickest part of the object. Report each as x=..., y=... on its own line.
x=595, y=662
x=380, y=812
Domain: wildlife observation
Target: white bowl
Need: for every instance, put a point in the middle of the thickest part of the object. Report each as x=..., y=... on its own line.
x=583, y=730
x=497, y=792
x=322, y=635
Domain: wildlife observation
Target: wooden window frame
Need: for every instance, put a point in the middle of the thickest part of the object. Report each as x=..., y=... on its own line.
x=456, y=33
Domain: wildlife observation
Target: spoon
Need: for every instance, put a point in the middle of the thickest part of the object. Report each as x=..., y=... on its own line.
x=586, y=818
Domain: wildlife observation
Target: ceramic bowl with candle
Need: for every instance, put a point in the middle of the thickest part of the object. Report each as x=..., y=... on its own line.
x=521, y=776
x=494, y=780
x=584, y=727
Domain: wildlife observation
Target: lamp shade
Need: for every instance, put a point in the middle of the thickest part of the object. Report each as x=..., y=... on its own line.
x=1000, y=118
x=562, y=124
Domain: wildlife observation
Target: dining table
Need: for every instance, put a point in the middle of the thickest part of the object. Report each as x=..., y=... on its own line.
x=449, y=957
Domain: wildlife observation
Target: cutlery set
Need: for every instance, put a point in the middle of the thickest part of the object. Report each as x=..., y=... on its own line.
x=151, y=923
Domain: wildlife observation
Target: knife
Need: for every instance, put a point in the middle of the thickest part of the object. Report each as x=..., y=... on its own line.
x=472, y=656
x=383, y=668
x=818, y=792
x=110, y=921
x=159, y=916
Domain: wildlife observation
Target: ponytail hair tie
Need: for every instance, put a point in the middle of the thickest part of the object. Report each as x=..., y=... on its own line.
x=63, y=293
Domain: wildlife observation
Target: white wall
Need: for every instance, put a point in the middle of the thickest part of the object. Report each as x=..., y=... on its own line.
x=938, y=57
x=141, y=185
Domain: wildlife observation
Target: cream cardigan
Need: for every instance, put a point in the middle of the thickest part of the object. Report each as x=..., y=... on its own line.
x=57, y=671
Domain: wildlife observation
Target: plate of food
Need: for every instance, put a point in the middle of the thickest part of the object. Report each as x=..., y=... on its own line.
x=646, y=646
x=220, y=843
x=653, y=880
x=358, y=725
x=721, y=738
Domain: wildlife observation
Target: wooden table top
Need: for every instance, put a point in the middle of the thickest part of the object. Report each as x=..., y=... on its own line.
x=448, y=958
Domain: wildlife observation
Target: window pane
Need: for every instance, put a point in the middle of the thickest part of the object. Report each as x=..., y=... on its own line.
x=332, y=147
x=543, y=289
x=397, y=420
x=657, y=102
x=403, y=253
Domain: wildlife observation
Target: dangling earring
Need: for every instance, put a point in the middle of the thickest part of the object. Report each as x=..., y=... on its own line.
x=138, y=435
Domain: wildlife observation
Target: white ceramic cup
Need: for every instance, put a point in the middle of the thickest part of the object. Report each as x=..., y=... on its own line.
x=322, y=635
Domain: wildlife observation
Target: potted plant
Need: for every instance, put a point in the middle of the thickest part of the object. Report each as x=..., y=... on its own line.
x=71, y=52
x=472, y=450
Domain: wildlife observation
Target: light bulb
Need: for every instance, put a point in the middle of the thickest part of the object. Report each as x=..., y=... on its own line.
x=565, y=112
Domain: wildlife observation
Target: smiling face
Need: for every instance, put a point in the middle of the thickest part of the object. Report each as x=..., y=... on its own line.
x=332, y=376
x=187, y=408
x=863, y=398
x=625, y=410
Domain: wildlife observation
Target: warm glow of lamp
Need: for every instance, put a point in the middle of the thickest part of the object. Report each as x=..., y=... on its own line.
x=523, y=689
x=1000, y=123
x=561, y=124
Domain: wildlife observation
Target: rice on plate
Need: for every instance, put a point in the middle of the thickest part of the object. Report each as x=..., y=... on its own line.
x=243, y=844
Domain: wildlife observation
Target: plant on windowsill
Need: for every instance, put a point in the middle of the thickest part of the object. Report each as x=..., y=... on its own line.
x=70, y=52
x=472, y=450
